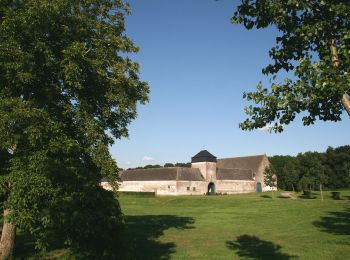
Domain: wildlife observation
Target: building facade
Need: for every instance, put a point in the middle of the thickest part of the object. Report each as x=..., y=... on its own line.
x=207, y=175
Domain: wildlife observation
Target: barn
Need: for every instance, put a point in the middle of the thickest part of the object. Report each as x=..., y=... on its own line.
x=207, y=175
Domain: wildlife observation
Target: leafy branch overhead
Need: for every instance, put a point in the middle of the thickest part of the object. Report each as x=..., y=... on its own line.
x=314, y=45
x=67, y=90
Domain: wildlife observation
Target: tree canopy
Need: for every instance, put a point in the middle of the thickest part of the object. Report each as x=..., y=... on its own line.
x=314, y=45
x=67, y=90
x=308, y=170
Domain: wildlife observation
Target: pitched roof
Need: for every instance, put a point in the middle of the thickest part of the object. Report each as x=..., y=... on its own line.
x=234, y=174
x=248, y=162
x=203, y=156
x=162, y=174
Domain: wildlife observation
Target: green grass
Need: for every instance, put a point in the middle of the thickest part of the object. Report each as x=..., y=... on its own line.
x=247, y=226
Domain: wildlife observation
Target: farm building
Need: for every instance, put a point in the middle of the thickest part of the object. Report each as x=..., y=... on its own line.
x=207, y=175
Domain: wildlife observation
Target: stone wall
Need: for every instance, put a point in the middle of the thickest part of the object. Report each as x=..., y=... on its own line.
x=234, y=186
x=208, y=170
x=191, y=187
x=260, y=175
x=165, y=187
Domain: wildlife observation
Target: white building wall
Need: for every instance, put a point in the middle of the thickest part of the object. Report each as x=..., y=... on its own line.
x=191, y=187
x=207, y=169
x=260, y=175
x=234, y=186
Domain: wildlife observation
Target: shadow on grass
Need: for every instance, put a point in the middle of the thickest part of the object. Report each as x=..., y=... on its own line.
x=25, y=248
x=143, y=232
x=266, y=196
x=255, y=248
x=335, y=223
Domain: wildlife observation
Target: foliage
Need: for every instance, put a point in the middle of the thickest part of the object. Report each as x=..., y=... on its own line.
x=150, y=166
x=270, y=178
x=67, y=89
x=314, y=45
x=311, y=169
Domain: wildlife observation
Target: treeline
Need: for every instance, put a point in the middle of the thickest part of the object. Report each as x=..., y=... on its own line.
x=187, y=165
x=307, y=171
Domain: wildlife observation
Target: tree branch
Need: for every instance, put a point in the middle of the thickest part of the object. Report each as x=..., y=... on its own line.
x=345, y=97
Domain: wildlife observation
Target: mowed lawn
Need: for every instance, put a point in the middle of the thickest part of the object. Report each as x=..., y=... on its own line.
x=246, y=226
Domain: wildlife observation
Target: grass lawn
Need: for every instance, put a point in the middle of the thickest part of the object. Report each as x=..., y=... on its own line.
x=247, y=226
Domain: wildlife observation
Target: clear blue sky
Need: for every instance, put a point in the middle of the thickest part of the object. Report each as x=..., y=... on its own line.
x=198, y=65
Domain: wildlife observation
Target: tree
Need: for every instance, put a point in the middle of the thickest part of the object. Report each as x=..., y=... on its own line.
x=286, y=169
x=67, y=89
x=270, y=178
x=314, y=44
x=168, y=165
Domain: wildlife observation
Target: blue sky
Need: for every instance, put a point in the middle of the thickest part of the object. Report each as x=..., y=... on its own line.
x=198, y=65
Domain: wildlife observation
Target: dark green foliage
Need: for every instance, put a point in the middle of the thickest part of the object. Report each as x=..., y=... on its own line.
x=270, y=176
x=169, y=165
x=67, y=89
x=309, y=170
x=186, y=165
x=148, y=166
x=313, y=49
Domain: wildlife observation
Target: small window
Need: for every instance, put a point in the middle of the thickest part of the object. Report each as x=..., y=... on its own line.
x=188, y=188
x=194, y=188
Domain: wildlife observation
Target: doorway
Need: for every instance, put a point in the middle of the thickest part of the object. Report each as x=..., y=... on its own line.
x=211, y=188
x=258, y=187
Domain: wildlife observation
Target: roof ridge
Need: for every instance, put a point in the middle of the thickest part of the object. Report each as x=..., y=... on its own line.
x=248, y=169
x=242, y=156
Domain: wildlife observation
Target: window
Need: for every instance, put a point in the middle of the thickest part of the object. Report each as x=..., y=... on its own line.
x=188, y=188
x=194, y=188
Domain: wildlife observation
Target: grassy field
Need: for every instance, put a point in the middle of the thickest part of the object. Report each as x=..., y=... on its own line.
x=249, y=226
x=245, y=226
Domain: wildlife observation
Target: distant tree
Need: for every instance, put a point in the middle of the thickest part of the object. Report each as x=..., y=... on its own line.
x=286, y=168
x=291, y=176
x=148, y=166
x=169, y=165
x=337, y=167
x=314, y=44
x=186, y=165
x=270, y=178
x=67, y=89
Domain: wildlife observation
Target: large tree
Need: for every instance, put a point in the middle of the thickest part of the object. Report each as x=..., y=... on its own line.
x=67, y=89
x=314, y=45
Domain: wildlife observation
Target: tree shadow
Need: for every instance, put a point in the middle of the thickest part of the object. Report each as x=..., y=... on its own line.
x=337, y=223
x=255, y=248
x=142, y=233
x=266, y=196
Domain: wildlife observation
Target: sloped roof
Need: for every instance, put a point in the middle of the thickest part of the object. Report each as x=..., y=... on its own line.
x=234, y=174
x=162, y=174
x=247, y=162
x=203, y=156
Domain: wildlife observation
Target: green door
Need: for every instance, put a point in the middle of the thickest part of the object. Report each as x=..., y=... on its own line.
x=258, y=187
x=211, y=189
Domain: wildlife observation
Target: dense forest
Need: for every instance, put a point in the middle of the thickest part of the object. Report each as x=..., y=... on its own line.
x=309, y=170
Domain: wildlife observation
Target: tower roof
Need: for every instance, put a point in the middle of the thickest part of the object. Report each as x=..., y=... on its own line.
x=203, y=156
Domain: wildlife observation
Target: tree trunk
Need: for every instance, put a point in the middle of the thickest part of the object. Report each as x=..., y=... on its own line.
x=321, y=191
x=345, y=97
x=7, y=242
x=346, y=102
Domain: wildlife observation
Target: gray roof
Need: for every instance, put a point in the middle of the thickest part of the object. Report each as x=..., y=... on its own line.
x=203, y=156
x=234, y=174
x=248, y=163
x=162, y=174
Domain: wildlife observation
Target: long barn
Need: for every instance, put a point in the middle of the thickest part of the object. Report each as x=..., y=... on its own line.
x=207, y=175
